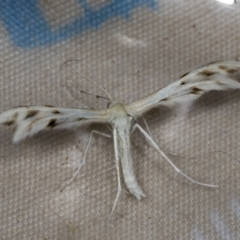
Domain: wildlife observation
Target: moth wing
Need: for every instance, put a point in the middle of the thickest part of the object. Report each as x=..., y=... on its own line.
x=30, y=120
x=214, y=76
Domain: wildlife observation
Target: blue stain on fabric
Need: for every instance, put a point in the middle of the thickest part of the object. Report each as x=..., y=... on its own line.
x=28, y=27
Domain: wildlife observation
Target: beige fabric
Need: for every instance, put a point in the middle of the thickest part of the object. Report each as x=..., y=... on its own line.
x=130, y=58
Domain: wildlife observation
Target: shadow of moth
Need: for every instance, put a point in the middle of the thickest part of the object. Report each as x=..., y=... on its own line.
x=122, y=118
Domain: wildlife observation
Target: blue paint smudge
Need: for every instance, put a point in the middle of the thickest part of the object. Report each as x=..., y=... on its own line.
x=27, y=27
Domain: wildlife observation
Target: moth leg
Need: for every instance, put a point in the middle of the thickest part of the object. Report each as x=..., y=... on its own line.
x=119, y=188
x=150, y=140
x=85, y=154
x=149, y=132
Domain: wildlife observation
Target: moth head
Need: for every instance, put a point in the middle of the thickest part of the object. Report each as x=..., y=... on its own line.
x=112, y=103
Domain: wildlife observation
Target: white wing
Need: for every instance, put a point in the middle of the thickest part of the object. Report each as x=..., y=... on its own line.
x=214, y=76
x=32, y=119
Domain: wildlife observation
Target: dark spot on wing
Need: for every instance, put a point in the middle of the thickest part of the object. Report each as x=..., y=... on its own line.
x=232, y=70
x=31, y=113
x=56, y=112
x=223, y=67
x=52, y=123
x=227, y=69
x=183, y=83
x=48, y=106
x=9, y=123
x=211, y=63
x=185, y=74
x=12, y=121
x=207, y=73
x=165, y=99
x=196, y=90
x=81, y=119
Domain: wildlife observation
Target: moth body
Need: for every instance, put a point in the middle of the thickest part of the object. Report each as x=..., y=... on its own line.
x=29, y=120
x=122, y=122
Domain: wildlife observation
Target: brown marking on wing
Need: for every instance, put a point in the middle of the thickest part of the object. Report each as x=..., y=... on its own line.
x=228, y=70
x=196, y=90
x=56, y=112
x=211, y=63
x=80, y=119
x=31, y=113
x=182, y=83
x=52, y=123
x=9, y=123
x=48, y=106
x=165, y=99
x=207, y=73
x=185, y=74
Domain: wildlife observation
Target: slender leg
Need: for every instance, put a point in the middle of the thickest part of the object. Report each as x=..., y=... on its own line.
x=84, y=156
x=150, y=140
x=149, y=132
x=118, y=175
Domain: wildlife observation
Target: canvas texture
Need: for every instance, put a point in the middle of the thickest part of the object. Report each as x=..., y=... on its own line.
x=131, y=49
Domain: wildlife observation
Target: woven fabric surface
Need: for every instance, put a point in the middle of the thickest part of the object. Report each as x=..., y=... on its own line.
x=131, y=50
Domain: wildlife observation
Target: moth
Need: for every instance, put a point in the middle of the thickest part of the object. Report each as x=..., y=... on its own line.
x=122, y=117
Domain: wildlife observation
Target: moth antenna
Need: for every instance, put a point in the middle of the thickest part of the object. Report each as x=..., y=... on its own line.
x=70, y=96
x=96, y=85
x=97, y=96
x=87, y=79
